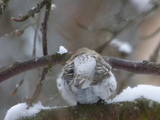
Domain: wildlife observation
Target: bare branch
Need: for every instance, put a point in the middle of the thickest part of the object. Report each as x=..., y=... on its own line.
x=143, y=67
x=45, y=52
x=3, y=5
x=16, y=68
x=19, y=67
x=44, y=27
x=17, y=86
x=154, y=56
x=30, y=12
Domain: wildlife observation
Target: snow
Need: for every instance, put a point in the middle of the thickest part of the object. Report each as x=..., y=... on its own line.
x=53, y=6
x=142, y=5
x=141, y=91
x=20, y=110
x=33, y=8
x=123, y=47
x=129, y=94
x=62, y=50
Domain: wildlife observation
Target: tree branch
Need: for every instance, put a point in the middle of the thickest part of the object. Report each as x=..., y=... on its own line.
x=30, y=12
x=155, y=54
x=19, y=67
x=45, y=52
x=144, y=67
x=140, y=109
x=16, y=68
x=44, y=27
x=3, y=5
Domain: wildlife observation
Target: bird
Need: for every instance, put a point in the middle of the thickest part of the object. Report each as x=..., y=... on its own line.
x=86, y=78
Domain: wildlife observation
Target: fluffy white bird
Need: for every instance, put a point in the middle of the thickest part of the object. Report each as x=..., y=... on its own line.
x=86, y=78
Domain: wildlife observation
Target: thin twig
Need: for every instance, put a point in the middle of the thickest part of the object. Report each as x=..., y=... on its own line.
x=3, y=5
x=45, y=52
x=30, y=12
x=17, y=86
x=38, y=88
x=36, y=35
x=44, y=28
x=128, y=24
x=154, y=56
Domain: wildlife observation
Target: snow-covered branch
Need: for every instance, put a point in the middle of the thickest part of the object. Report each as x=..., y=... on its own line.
x=138, y=103
x=139, y=110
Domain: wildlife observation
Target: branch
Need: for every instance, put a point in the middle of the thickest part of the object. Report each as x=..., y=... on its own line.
x=30, y=12
x=155, y=54
x=44, y=28
x=140, y=109
x=3, y=5
x=45, y=52
x=19, y=67
x=144, y=67
x=16, y=68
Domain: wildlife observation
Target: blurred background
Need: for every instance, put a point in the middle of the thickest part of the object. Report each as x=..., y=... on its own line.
x=127, y=29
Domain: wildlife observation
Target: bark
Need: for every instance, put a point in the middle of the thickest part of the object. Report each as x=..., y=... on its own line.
x=140, y=109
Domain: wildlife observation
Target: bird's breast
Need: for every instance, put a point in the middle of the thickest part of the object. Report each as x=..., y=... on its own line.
x=85, y=65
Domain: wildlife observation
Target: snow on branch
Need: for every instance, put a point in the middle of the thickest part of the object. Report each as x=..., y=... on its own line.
x=138, y=103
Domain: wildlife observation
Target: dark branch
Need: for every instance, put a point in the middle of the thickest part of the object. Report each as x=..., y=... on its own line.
x=140, y=109
x=143, y=67
x=19, y=67
x=44, y=28
x=45, y=52
x=30, y=12
x=3, y=5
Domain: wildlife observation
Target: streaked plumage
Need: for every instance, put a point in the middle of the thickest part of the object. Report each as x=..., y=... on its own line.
x=86, y=78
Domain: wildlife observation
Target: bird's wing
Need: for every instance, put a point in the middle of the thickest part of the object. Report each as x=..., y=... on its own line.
x=81, y=81
x=102, y=70
x=68, y=72
x=84, y=71
x=79, y=72
x=77, y=80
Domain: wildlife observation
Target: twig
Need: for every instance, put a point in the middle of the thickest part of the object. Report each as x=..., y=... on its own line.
x=45, y=52
x=38, y=88
x=30, y=12
x=3, y=5
x=18, y=32
x=35, y=35
x=128, y=24
x=17, y=86
x=44, y=28
x=154, y=56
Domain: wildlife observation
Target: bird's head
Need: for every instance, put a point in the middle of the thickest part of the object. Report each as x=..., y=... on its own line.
x=83, y=51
